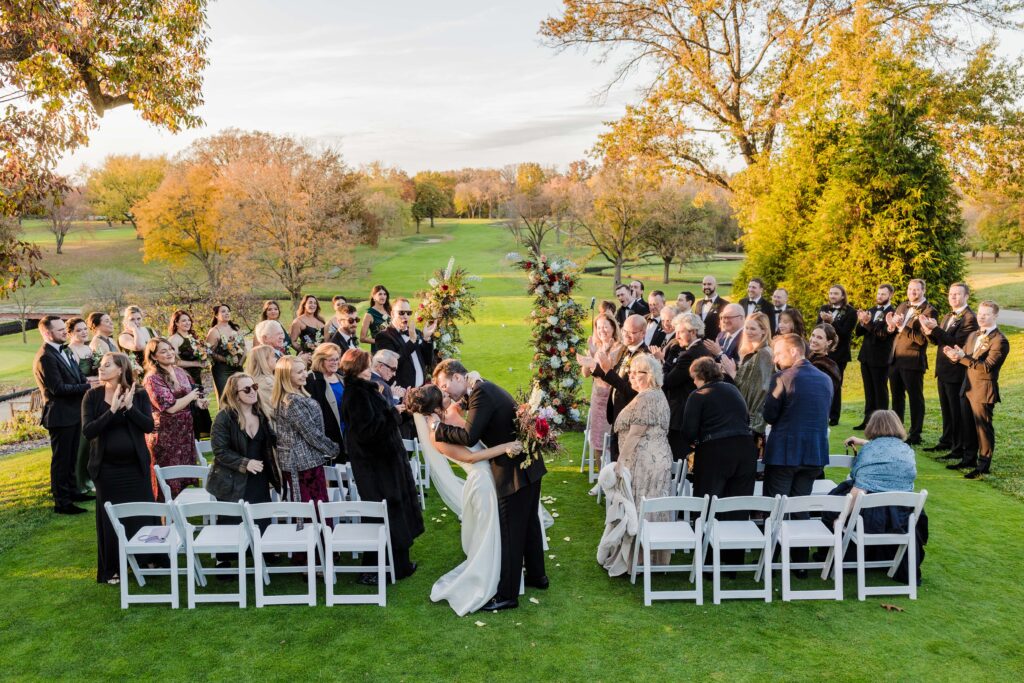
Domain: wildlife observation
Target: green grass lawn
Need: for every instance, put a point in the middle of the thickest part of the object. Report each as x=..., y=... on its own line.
x=56, y=622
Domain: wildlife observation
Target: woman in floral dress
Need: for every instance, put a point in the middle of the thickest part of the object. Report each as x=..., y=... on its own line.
x=192, y=357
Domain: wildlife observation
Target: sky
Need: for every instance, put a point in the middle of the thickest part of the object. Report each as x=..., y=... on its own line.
x=441, y=85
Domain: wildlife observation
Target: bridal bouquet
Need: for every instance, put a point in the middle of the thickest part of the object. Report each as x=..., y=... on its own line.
x=534, y=428
x=232, y=349
x=308, y=343
x=449, y=301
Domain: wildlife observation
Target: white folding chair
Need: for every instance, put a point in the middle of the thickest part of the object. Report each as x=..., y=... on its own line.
x=412, y=447
x=822, y=487
x=213, y=538
x=301, y=534
x=905, y=543
x=192, y=494
x=347, y=480
x=671, y=536
x=357, y=537
x=810, y=533
x=335, y=487
x=203, y=448
x=606, y=458
x=743, y=535
x=142, y=543
x=587, y=463
x=759, y=484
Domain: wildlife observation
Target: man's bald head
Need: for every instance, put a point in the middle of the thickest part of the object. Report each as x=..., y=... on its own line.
x=633, y=330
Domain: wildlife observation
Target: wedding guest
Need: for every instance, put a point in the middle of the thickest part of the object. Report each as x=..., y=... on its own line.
x=616, y=371
x=338, y=303
x=377, y=317
x=710, y=307
x=102, y=327
x=684, y=302
x=716, y=427
x=984, y=355
x=115, y=420
x=637, y=287
x=415, y=351
x=272, y=311
x=344, y=335
x=654, y=335
x=171, y=394
x=259, y=364
x=823, y=339
x=731, y=336
x=270, y=333
x=684, y=350
x=629, y=304
x=642, y=433
x=308, y=327
x=378, y=458
x=874, y=352
x=607, y=307
x=182, y=338
x=755, y=370
x=842, y=317
x=884, y=463
x=88, y=364
x=604, y=341
x=668, y=314
x=780, y=304
x=791, y=321
x=134, y=335
x=909, y=356
x=303, y=447
x=324, y=385
x=954, y=329
x=383, y=368
x=244, y=466
x=62, y=386
x=754, y=301
x=222, y=335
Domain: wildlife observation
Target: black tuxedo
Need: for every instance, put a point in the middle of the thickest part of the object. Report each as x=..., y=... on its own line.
x=874, y=355
x=622, y=393
x=393, y=340
x=638, y=307
x=339, y=339
x=763, y=306
x=62, y=386
x=908, y=365
x=492, y=419
x=732, y=348
x=844, y=319
x=980, y=391
x=710, y=312
x=953, y=330
x=658, y=337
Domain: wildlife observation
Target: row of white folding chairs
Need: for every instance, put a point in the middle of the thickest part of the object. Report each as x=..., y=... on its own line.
x=420, y=468
x=776, y=530
x=297, y=528
x=822, y=487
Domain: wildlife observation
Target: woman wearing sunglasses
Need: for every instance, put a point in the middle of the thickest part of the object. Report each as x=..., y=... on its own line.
x=244, y=467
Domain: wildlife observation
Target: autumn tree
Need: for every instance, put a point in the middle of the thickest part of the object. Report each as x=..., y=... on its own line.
x=62, y=207
x=431, y=201
x=114, y=189
x=680, y=226
x=63, y=64
x=180, y=221
x=387, y=195
x=1001, y=226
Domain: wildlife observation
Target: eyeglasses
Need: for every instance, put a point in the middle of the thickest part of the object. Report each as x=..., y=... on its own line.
x=353, y=320
x=247, y=390
x=727, y=317
x=392, y=368
x=403, y=312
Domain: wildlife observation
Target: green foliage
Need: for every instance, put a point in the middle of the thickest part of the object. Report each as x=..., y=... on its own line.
x=431, y=201
x=22, y=427
x=114, y=189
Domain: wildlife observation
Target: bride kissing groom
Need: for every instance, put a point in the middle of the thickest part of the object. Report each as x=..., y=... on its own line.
x=501, y=527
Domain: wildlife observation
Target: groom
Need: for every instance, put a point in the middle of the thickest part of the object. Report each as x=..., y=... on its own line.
x=491, y=419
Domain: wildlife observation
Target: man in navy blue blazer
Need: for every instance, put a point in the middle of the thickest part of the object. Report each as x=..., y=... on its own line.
x=796, y=407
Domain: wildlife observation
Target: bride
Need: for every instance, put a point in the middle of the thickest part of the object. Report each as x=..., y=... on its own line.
x=470, y=585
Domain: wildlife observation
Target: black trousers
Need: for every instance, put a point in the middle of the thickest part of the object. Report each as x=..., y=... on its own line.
x=979, y=436
x=521, y=540
x=876, y=388
x=952, y=416
x=909, y=385
x=677, y=444
x=64, y=454
x=791, y=481
x=725, y=467
x=837, y=398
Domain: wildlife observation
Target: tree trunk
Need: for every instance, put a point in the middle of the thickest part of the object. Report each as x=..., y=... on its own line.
x=135, y=227
x=668, y=263
x=431, y=220
x=618, y=270
x=1020, y=259
x=60, y=243
x=296, y=298
x=24, y=327
x=418, y=221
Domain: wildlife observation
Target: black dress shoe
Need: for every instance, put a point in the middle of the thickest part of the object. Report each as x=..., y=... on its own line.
x=833, y=423
x=936, y=448
x=913, y=441
x=949, y=456
x=981, y=468
x=82, y=497
x=496, y=605
x=974, y=474
x=367, y=580
x=69, y=509
x=800, y=573
x=860, y=427
x=540, y=582
x=963, y=464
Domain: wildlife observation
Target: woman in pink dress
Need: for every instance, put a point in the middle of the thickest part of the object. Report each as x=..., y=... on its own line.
x=605, y=339
x=171, y=393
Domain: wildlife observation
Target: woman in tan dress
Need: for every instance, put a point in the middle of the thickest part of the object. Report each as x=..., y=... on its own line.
x=642, y=429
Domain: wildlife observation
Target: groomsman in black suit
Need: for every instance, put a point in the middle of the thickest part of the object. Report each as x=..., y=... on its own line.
x=909, y=356
x=983, y=356
x=629, y=304
x=953, y=330
x=780, y=304
x=754, y=301
x=875, y=352
x=842, y=317
x=415, y=351
x=62, y=386
x=617, y=375
x=654, y=335
x=731, y=336
x=345, y=336
x=710, y=307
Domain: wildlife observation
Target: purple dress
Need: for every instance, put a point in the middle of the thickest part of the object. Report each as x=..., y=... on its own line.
x=172, y=441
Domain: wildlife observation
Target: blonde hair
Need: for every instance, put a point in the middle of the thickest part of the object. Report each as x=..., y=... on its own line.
x=761, y=320
x=229, y=398
x=321, y=353
x=656, y=376
x=283, y=385
x=126, y=317
x=260, y=362
x=884, y=423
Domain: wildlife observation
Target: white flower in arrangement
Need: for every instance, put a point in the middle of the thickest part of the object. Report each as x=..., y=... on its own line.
x=562, y=346
x=557, y=287
x=448, y=270
x=556, y=266
x=552, y=320
x=555, y=362
x=568, y=382
x=540, y=289
x=574, y=413
x=547, y=412
x=536, y=397
x=457, y=305
x=446, y=337
x=557, y=419
x=513, y=256
x=575, y=339
x=433, y=282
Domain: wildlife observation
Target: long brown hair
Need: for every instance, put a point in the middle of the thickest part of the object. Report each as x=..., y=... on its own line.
x=172, y=328
x=124, y=364
x=151, y=364
x=302, y=307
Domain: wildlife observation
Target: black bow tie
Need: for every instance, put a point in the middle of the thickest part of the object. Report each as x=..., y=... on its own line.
x=778, y=310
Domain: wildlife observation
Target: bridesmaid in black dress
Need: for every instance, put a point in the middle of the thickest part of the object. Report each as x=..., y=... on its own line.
x=227, y=346
x=192, y=359
x=307, y=330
